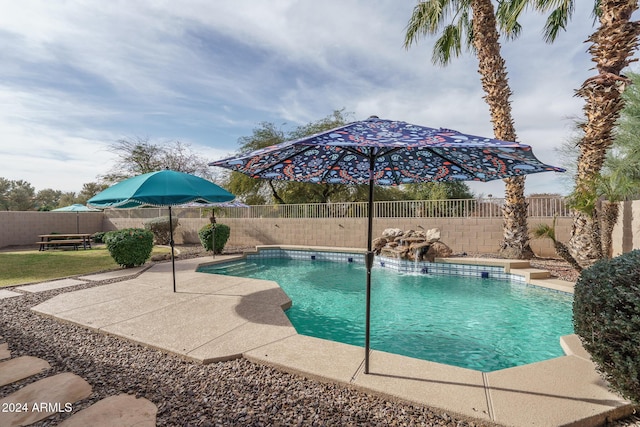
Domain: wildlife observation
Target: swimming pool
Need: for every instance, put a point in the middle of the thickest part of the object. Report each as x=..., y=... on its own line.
x=469, y=321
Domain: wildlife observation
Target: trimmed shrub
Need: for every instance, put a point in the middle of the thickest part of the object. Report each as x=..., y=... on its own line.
x=606, y=316
x=221, y=236
x=160, y=228
x=129, y=247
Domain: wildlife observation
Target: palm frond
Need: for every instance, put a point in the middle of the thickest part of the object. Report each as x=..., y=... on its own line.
x=544, y=231
x=449, y=18
x=447, y=46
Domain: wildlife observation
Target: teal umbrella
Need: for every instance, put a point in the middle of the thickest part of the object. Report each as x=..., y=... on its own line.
x=77, y=208
x=162, y=188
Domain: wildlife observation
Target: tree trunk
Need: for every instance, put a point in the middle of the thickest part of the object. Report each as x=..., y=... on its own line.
x=609, y=217
x=613, y=45
x=563, y=252
x=275, y=194
x=515, y=243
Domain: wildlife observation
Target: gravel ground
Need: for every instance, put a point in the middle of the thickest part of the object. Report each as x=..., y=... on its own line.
x=232, y=393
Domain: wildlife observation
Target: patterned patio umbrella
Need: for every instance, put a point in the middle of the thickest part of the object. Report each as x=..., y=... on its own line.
x=162, y=188
x=385, y=152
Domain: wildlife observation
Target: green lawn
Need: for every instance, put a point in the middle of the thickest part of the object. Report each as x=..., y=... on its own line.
x=35, y=266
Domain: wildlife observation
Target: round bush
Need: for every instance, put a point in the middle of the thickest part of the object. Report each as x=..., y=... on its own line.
x=160, y=228
x=222, y=235
x=129, y=247
x=606, y=316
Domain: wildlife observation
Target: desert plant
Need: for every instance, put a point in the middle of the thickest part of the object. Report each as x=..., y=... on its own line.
x=549, y=231
x=129, y=247
x=160, y=228
x=221, y=236
x=606, y=316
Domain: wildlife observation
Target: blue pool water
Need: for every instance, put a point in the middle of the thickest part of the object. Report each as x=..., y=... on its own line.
x=471, y=322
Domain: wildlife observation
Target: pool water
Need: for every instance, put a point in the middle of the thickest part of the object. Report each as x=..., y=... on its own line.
x=470, y=322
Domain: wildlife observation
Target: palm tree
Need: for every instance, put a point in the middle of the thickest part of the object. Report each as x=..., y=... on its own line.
x=475, y=21
x=612, y=48
x=613, y=44
x=614, y=188
x=549, y=231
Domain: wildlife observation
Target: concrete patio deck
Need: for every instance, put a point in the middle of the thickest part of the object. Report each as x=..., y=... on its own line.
x=213, y=318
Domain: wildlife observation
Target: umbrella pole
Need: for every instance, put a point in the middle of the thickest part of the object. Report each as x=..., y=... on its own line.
x=173, y=258
x=213, y=232
x=369, y=261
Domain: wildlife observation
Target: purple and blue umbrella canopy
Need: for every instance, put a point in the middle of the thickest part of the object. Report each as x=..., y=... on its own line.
x=161, y=188
x=386, y=152
x=396, y=152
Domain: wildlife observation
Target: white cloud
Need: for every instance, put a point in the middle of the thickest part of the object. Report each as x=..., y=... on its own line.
x=78, y=75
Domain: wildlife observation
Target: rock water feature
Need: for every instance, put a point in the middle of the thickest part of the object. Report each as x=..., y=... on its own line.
x=420, y=245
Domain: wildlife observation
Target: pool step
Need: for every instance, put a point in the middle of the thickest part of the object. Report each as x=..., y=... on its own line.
x=238, y=269
x=531, y=273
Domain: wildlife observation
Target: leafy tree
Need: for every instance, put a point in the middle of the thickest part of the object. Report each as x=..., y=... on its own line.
x=266, y=191
x=48, y=199
x=472, y=24
x=439, y=191
x=138, y=156
x=89, y=190
x=624, y=156
x=21, y=196
x=260, y=191
x=67, y=198
x=5, y=186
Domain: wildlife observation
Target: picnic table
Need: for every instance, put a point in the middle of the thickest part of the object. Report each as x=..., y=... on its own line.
x=48, y=241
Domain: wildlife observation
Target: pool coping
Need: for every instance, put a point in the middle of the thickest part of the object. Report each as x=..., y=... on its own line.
x=213, y=318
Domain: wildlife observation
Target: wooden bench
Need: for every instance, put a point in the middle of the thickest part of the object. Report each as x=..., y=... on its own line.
x=44, y=245
x=48, y=241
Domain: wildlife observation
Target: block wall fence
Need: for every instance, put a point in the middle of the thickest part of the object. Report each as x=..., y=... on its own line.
x=471, y=235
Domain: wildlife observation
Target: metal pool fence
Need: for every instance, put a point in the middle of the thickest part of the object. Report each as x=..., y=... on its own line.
x=542, y=207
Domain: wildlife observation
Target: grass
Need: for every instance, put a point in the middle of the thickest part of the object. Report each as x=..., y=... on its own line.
x=35, y=266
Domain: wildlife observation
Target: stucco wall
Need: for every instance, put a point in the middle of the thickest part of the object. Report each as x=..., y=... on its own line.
x=626, y=234
x=471, y=235
x=23, y=228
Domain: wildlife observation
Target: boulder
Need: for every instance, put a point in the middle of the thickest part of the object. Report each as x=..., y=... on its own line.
x=378, y=244
x=419, y=250
x=390, y=252
x=437, y=250
x=411, y=240
x=432, y=235
x=392, y=232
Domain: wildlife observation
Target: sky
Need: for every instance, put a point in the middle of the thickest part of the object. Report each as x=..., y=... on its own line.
x=78, y=75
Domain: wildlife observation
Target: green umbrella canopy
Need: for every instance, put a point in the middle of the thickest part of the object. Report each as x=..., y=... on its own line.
x=161, y=188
